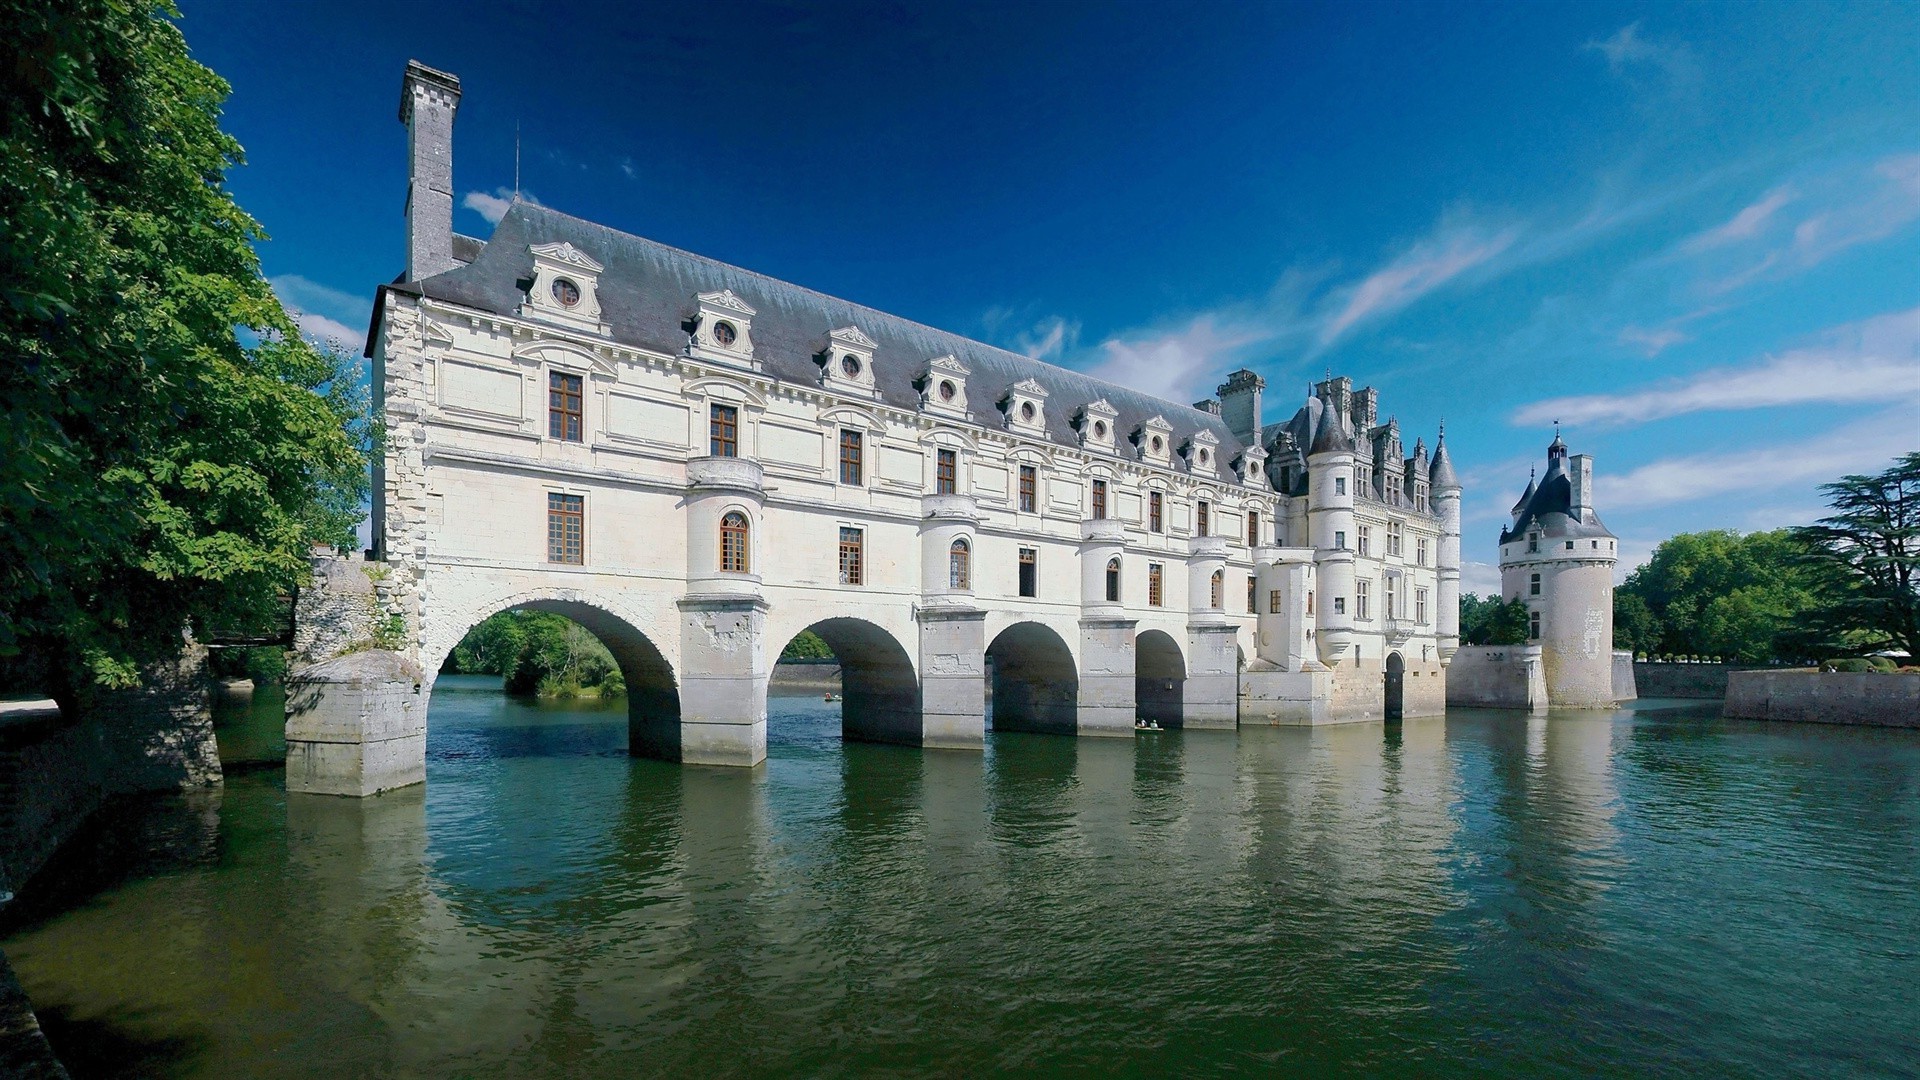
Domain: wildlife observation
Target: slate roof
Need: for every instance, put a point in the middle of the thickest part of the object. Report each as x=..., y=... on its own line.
x=647, y=292
x=1550, y=508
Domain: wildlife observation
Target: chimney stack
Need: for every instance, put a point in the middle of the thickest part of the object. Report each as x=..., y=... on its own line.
x=1581, y=476
x=428, y=100
x=1240, y=405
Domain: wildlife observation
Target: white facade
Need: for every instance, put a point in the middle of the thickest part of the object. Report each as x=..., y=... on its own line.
x=688, y=459
x=1557, y=558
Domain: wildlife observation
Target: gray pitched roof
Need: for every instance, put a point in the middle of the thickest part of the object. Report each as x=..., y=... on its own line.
x=1550, y=509
x=647, y=293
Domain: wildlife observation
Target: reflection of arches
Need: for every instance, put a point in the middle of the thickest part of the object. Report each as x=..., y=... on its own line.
x=1159, y=678
x=653, y=695
x=879, y=692
x=1034, y=684
x=1396, y=684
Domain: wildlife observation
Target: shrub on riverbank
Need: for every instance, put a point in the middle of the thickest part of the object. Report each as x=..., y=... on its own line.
x=538, y=653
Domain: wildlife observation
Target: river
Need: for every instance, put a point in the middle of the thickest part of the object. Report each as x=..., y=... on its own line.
x=1647, y=892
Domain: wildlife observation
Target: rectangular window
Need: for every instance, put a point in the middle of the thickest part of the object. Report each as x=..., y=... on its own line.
x=723, y=431
x=850, y=457
x=1569, y=545
x=1099, y=499
x=566, y=528
x=852, y=541
x=1392, y=609
x=1029, y=572
x=1339, y=485
x=1361, y=595
x=1364, y=541
x=1393, y=538
x=1253, y=604
x=563, y=406
x=1155, y=522
x=1203, y=520
x=1340, y=539
x=1273, y=601
x=1339, y=605
x=1533, y=625
x=1153, y=584
x=1029, y=488
x=946, y=473
x=1420, y=606
x=1533, y=585
x=1253, y=528
x=1420, y=551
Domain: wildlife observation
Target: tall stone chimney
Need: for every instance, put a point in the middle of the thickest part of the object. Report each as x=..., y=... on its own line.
x=1580, y=473
x=428, y=100
x=1240, y=405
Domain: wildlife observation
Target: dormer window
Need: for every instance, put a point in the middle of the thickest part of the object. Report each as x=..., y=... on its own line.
x=846, y=362
x=943, y=387
x=564, y=288
x=1095, y=424
x=722, y=329
x=1026, y=407
x=1153, y=441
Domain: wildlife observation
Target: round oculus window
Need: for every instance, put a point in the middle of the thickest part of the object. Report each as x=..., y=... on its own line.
x=1099, y=429
x=1156, y=444
x=1026, y=410
x=850, y=364
x=566, y=292
x=947, y=390
x=1203, y=457
x=724, y=334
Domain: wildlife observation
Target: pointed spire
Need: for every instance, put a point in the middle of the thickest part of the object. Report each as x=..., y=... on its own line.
x=1440, y=470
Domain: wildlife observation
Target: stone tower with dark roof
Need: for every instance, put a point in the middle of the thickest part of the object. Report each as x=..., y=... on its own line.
x=1557, y=557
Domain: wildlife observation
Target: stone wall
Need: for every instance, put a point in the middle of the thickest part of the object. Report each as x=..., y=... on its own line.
x=1825, y=697
x=1625, y=686
x=1663, y=680
x=340, y=608
x=1497, y=677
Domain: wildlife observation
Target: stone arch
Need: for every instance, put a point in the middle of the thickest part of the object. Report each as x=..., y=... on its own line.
x=1395, y=681
x=879, y=688
x=1159, y=678
x=643, y=649
x=1033, y=681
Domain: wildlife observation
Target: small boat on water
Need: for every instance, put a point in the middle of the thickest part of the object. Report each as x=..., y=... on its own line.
x=830, y=696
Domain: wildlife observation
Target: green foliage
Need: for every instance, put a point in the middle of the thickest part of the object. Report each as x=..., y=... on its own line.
x=263, y=664
x=806, y=645
x=1870, y=549
x=170, y=449
x=1746, y=598
x=537, y=652
x=1490, y=621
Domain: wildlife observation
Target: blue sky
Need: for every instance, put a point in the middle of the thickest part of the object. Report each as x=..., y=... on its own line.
x=1690, y=232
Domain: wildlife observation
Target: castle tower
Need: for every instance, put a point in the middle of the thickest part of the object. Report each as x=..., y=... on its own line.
x=1330, y=519
x=1557, y=558
x=1445, y=488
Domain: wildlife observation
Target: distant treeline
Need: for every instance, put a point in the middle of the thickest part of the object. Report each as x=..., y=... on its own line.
x=538, y=653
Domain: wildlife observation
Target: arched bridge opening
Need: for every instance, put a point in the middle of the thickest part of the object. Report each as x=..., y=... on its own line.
x=879, y=690
x=1159, y=679
x=1032, y=681
x=556, y=663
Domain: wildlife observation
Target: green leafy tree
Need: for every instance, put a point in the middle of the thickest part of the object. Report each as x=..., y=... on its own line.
x=170, y=449
x=1751, y=598
x=537, y=652
x=1868, y=550
x=806, y=645
x=1491, y=621
x=1634, y=626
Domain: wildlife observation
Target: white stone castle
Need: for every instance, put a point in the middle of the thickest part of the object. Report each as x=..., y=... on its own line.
x=699, y=462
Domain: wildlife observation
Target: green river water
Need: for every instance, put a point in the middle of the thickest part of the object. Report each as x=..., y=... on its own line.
x=1650, y=892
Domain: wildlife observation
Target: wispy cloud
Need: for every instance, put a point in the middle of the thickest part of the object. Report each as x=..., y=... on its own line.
x=1180, y=365
x=1867, y=445
x=1049, y=339
x=1416, y=272
x=1645, y=63
x=494, y=207
x=1742, y=226
x=323, y=313
x=1653, y=341
x=1874, y=360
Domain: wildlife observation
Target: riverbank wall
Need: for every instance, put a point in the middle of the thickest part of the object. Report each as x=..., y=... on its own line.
x=1868, y=698
x=1497, y=677
x=815, y=676
x=1669, y=680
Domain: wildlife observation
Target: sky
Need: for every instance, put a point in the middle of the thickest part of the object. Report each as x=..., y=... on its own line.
x=1689, y=233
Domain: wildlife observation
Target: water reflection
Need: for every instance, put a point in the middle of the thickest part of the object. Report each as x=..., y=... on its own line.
x=1480, y=894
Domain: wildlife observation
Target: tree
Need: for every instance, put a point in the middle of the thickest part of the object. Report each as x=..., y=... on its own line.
x=170, y=449
x=1492, y=621
x=1720, y=593
x=807, y=645
x=1870, y=545
x=1634, y=626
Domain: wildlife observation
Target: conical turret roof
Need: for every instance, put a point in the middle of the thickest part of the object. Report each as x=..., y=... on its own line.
x=1440, y=472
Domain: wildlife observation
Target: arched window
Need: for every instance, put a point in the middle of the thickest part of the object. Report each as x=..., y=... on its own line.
x=733, y=543
x=1219, y=584
x=959, y=575
x=1113, y=581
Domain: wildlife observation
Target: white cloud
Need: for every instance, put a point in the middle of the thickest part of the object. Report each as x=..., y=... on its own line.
x=324, y=313
x=1629, y=54
x=1049, y=339
x=1655, y=341
x=1479, y=578
x=1875, y=360
x=494, y=207
x=1868, y=445
x=1179, y=365
x=1742, y=226
x=1423, y=268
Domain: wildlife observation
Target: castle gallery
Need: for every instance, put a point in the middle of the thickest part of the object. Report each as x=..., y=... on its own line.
x=699, y=462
